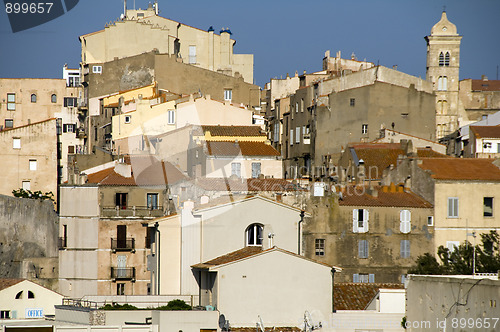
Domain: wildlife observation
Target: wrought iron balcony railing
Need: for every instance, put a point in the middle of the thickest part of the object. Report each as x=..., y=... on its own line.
x=127, y=244
x=123, y=273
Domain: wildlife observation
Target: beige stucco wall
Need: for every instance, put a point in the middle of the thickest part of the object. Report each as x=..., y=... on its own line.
x=271, y=286
x=186, y=321
x=470, y=204
x=79, y=201
x=39, y=143
x=44, y=299
x=221, y=167
x=170, y=255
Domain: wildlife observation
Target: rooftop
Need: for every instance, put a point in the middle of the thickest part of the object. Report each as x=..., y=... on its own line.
x=485, y=131
x=6, y=283
x=235, y=148
x=357, y=296
x=461, y=169
x=389, y=196
x=231, y=131
x=244, y=185
x=485, y=85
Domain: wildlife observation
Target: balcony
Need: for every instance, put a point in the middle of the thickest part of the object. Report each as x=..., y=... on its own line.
x=123, y=244
x=123, y=273
x=62, y=243
x=132, y=211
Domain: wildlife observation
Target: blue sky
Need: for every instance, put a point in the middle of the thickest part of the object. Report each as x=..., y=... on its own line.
x=284, y=36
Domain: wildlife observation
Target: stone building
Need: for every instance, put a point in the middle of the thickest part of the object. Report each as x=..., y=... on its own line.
x=141, y=31
x=374, y=233
x=443, y=64
x=480, y=98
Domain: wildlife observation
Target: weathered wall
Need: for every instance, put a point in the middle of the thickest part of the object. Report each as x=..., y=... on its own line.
x=28, y=230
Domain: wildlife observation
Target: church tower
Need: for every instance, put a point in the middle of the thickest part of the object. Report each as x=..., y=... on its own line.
x=443, y=64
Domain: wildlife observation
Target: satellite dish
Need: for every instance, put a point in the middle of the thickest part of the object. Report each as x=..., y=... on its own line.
x=222, y=322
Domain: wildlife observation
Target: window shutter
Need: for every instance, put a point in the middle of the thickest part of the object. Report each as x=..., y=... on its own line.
x=355, y=277
x=371, y=278
x=355, y=221
x=366, y=221
x=65, y=102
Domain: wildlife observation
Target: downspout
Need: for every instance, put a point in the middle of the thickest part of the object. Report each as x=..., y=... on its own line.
x=299, y=230
x=333, y=288
x=157, y=244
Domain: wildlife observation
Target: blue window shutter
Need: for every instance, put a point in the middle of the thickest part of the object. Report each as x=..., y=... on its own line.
x=355, y=277
x=371, y=278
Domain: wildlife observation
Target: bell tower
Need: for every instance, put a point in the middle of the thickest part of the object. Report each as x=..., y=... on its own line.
x=443, y=64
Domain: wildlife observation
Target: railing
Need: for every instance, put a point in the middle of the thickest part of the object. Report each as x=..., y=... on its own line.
x=133, y=211
x=62, y=243
x=79, y=303
x=123, y=273
x=123, y=244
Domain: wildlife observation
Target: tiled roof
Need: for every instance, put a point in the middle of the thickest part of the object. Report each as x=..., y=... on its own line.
x=274, y=328
x=231, y=257
x=145, y=172
x=231, y=131
x=389, y=196
x=461, y=169
x=356, y=296
x=481, y=85
x=244, y=185
x=380, y=156
x=232, y=148
x=6, y=283
x=486, y=131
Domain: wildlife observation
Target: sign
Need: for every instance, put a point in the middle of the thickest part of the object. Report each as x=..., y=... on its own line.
x=33, y=313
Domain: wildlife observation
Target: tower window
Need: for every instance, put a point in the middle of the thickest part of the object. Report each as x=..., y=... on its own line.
x=447, y=59
x=441, y=59
x=442, y=83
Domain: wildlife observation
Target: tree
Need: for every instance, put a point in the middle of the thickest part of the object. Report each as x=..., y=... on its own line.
x=461, y=260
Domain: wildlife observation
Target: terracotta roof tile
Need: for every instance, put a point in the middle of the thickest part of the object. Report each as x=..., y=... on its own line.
x=6, y=283
x=481, y=85
x=245, y=185
x=358, y=196
x=274, y=328
x=231, y=257
x=486, y=131
x=356, y=296
x=232, y=148
x=461, y=169
x=231, y=131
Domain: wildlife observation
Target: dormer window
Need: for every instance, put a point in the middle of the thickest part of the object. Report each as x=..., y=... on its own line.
x=254, y=235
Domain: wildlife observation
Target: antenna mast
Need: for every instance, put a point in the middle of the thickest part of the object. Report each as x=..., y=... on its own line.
x=124, y=8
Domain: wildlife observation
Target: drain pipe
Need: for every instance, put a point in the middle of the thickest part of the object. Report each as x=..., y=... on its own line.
x=299, y=230
x=157, y=284
x=333, y=289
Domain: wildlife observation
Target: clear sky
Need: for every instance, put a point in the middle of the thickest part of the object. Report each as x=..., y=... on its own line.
x=284, y=35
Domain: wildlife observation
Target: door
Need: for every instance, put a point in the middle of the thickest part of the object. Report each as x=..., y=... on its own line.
x=121, y=200
x=121, y=236
x=121, y=271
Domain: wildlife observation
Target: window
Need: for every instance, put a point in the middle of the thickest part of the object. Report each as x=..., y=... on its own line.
x=276, y=132
x=71, y=149
x=302, y=105
x=447, y=59
x=236, y=169
x=121, y=200
x=403, y=278
x=74, y=81
x=442, y=83
x=70, y=102
x=256, y=170
x=297, y=135
x=26, y=185
x=363, y=249
x=127, y=118
x=430, y=221
x=171, y=117
x=152, y=200
x=352, y=102
x=9, y=123
x=405, y=221
x=291, y=136
x=121, y=240
x=33, y=164
x=452, y=207
x=16, y=143
x=364, y=129
x=192, y=54
x=4, y=314
x=228, y=94
x=404, y=250
x=360, y=220
x=319, y=247
x=97, y=69
x=441, y=59
x=452, y=245
x=69, y=128
x=488, y=206
x=53, y=98
x=11, y=102
x=363, y=278
x=31, y=295
x=19, y=295
x=254, y=235
x=297, y=107
x=120, y=289
x=33, y=98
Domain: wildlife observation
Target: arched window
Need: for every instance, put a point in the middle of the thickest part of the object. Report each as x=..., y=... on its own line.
x=31, y=295
x=447, y=59
x=254, y=235
x=19, y=295
x=33, y=98
x=53, y=98
x=441, y=59
x=442, y=83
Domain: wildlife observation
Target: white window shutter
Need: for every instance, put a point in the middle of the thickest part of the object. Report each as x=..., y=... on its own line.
x=355, y=221
x=366, y=221
x=371, y=278
x=355, y=278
